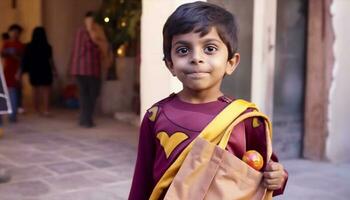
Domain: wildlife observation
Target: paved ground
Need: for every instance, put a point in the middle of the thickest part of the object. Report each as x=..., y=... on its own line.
x=54, y=159
x=317, y=181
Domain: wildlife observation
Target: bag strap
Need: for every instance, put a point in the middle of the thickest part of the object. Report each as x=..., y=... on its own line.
x=268, y=126
x=213, y=132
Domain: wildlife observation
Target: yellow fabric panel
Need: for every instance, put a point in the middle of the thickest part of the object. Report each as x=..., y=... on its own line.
x=153, y=111
x=170, y=143
x=255, y=122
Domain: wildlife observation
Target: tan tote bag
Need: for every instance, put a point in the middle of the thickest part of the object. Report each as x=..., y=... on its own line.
x=210, y=172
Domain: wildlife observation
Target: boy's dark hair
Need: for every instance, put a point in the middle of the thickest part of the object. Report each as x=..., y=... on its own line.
x=200, y=17
x=90, y=13
x=16, y=27
x=5, y=36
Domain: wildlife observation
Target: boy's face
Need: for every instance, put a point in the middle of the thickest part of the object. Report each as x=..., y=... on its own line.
x=200, y=63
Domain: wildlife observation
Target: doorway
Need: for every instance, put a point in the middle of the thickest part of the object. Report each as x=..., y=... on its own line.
x=289, y=78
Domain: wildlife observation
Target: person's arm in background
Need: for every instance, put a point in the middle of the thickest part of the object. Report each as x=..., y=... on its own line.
x=75, y=49
x=5, y=51
x=51, y=62
x=99, y=37
x=25, y=62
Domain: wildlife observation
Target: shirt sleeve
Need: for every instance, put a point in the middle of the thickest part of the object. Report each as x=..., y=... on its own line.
x=255, y=140
x=75, y=48
x=26, y=59
x=4, y=46
x=143, y=183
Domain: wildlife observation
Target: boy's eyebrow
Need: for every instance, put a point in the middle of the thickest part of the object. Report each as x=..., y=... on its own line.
x=208, y=40
x=212, y=40
x=181, y=42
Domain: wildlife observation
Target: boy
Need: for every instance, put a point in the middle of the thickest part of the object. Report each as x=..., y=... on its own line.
x=200, y=48
x=12, y=52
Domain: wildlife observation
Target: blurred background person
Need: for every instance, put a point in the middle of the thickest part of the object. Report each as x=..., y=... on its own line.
x=90, y=52
x=12, y=51
x=38, y=62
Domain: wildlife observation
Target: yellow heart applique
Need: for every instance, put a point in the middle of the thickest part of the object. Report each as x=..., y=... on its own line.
x=153, y=111
x=170, y=143
x=256, y=122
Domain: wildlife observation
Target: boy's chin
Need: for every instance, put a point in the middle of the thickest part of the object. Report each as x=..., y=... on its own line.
x=196, y=88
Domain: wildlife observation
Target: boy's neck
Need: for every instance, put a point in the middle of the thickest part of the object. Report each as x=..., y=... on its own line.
x=199, y=97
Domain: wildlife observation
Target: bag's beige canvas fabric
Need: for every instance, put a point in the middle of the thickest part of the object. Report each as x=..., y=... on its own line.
x=212, y=173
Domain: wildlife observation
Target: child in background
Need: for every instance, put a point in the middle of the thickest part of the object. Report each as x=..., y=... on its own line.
x=11, y=52
x=38, y=62
x=200, y=49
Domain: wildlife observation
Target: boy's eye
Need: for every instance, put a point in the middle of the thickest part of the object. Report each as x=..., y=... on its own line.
x=182, y=50
x=210, y=49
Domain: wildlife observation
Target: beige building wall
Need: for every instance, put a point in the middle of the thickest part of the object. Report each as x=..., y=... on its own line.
x=27, y=14
x=338, y=147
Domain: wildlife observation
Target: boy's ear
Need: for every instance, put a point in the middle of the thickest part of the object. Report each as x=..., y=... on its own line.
x=169, y=65
x=232, y=64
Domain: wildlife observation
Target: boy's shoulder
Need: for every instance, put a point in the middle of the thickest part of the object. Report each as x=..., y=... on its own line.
x=154, y=110
x=163, y=101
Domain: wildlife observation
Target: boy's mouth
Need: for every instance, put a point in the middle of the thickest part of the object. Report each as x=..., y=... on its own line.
x=197, y=75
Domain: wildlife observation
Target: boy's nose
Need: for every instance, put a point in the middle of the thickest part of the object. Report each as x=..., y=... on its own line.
x=196, y=57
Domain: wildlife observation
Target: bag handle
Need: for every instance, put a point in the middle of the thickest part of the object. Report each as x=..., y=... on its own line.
x=225, y=138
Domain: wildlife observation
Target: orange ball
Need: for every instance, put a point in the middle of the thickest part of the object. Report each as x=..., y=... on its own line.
x=253, y=159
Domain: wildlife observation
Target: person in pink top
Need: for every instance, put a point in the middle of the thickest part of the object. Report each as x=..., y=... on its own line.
x=200, y=49
x=86, y=68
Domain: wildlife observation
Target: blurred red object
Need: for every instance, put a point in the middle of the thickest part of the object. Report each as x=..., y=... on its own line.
x=70, y=91
x=70, y=96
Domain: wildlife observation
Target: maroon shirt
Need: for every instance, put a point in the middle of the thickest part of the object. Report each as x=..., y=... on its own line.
x=174, y=115
x=12, y=51
x=85, y=60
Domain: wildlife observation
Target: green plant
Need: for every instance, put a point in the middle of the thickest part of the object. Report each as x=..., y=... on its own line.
x=121, y=21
